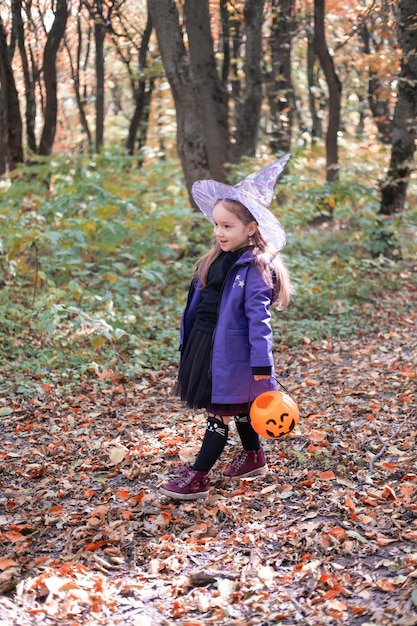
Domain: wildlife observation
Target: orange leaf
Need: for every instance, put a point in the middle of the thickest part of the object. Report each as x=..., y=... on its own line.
x=177, y=609
x=123, y=494
x=389, y=466
x=327, y=475
x=325, y=577
x=14, y=536
x=406, y=397
x=388, y=493
x=384, y=585
x=358, y=610
x=369, y=501
x=56, y=509
x=40, y=560
x=5, y=563
x=408, y=373
x=332, y=593
x=81, y=569
x=107, y=373
x=339, y=533
x=407, y=491
x=95, y=545
x=350, y=504
x=409, y=476
x=317, y=435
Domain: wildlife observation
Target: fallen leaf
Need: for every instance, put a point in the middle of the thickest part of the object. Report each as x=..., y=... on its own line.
x=117, y=454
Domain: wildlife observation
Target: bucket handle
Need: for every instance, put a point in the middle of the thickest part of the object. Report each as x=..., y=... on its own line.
x=279, y=383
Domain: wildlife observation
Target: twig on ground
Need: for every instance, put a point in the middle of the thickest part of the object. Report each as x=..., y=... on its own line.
x=387, y=441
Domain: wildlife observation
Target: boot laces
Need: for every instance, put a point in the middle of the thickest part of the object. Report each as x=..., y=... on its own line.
x=185, y=476
x=240, y=460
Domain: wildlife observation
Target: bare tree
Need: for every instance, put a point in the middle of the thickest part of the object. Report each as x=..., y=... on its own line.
x=375, y=34
x=335, y=92
x=99, y=34
x=30, y=108
x=142, y=85
x=190, y=132
x=249, y=101
x=11, y=147
x=100, y=12
x=394, y=189
x=279, y=87
x=53, y=42
x=210, y=92
x=76, y=68
x=316, y=98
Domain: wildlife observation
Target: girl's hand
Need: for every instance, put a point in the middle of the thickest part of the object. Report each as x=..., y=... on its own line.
x=261, y=377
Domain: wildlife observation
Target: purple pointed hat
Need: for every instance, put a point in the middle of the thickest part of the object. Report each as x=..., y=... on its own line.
x=255, y=192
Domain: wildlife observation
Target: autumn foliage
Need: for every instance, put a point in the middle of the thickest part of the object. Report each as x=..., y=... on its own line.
x=328, y=537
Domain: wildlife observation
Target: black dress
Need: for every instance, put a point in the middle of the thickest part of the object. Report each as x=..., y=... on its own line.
x=194, y=381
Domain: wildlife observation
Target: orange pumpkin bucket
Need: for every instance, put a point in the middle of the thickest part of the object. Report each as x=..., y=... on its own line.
x=274, y=414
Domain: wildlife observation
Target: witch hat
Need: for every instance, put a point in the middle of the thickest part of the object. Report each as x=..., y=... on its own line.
x=255, y=192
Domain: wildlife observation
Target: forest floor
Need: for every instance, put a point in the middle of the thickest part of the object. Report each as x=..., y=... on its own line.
x=329, y=536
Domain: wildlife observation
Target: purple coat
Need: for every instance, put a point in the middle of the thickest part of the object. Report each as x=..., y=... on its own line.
x=243, y=335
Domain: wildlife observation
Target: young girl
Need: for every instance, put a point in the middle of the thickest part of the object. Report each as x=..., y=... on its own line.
x=226, y=337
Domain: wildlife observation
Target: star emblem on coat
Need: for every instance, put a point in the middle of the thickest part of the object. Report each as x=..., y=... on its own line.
x=239, y=282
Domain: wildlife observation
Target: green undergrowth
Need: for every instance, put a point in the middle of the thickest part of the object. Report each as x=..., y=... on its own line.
x=96, y=257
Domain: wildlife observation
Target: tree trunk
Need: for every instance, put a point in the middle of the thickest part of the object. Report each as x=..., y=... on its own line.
x=278, y=80
x=142, y=94
x=379, y=106
x=211, y=94
x=313, y=84
x=53, y=41
x=248, y=108
x=394, y=189
x=10, y=118
x=99, y=34
x=224, y=18
x=335, y=92
x=190, y=131
x=232, y=40
x=76, y=81
x=29, y=86
x=4, y=124
x=144, y=121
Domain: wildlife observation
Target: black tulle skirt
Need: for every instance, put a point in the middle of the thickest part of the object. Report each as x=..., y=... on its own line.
x=194, y=381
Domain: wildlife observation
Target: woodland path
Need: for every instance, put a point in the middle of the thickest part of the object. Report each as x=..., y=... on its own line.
x=328, y=537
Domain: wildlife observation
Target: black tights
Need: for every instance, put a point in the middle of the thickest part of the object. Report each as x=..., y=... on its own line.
x=215, y=439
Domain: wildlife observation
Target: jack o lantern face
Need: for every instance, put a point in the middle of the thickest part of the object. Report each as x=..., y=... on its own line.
x=274, y=414
x=282, y=427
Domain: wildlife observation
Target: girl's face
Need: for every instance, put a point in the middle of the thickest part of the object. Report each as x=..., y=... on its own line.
x=230, y=232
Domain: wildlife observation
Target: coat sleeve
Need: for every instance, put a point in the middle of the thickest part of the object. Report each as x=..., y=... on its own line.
x=258, y=300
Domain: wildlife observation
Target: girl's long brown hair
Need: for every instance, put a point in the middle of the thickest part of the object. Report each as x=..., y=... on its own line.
x=266, y=258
